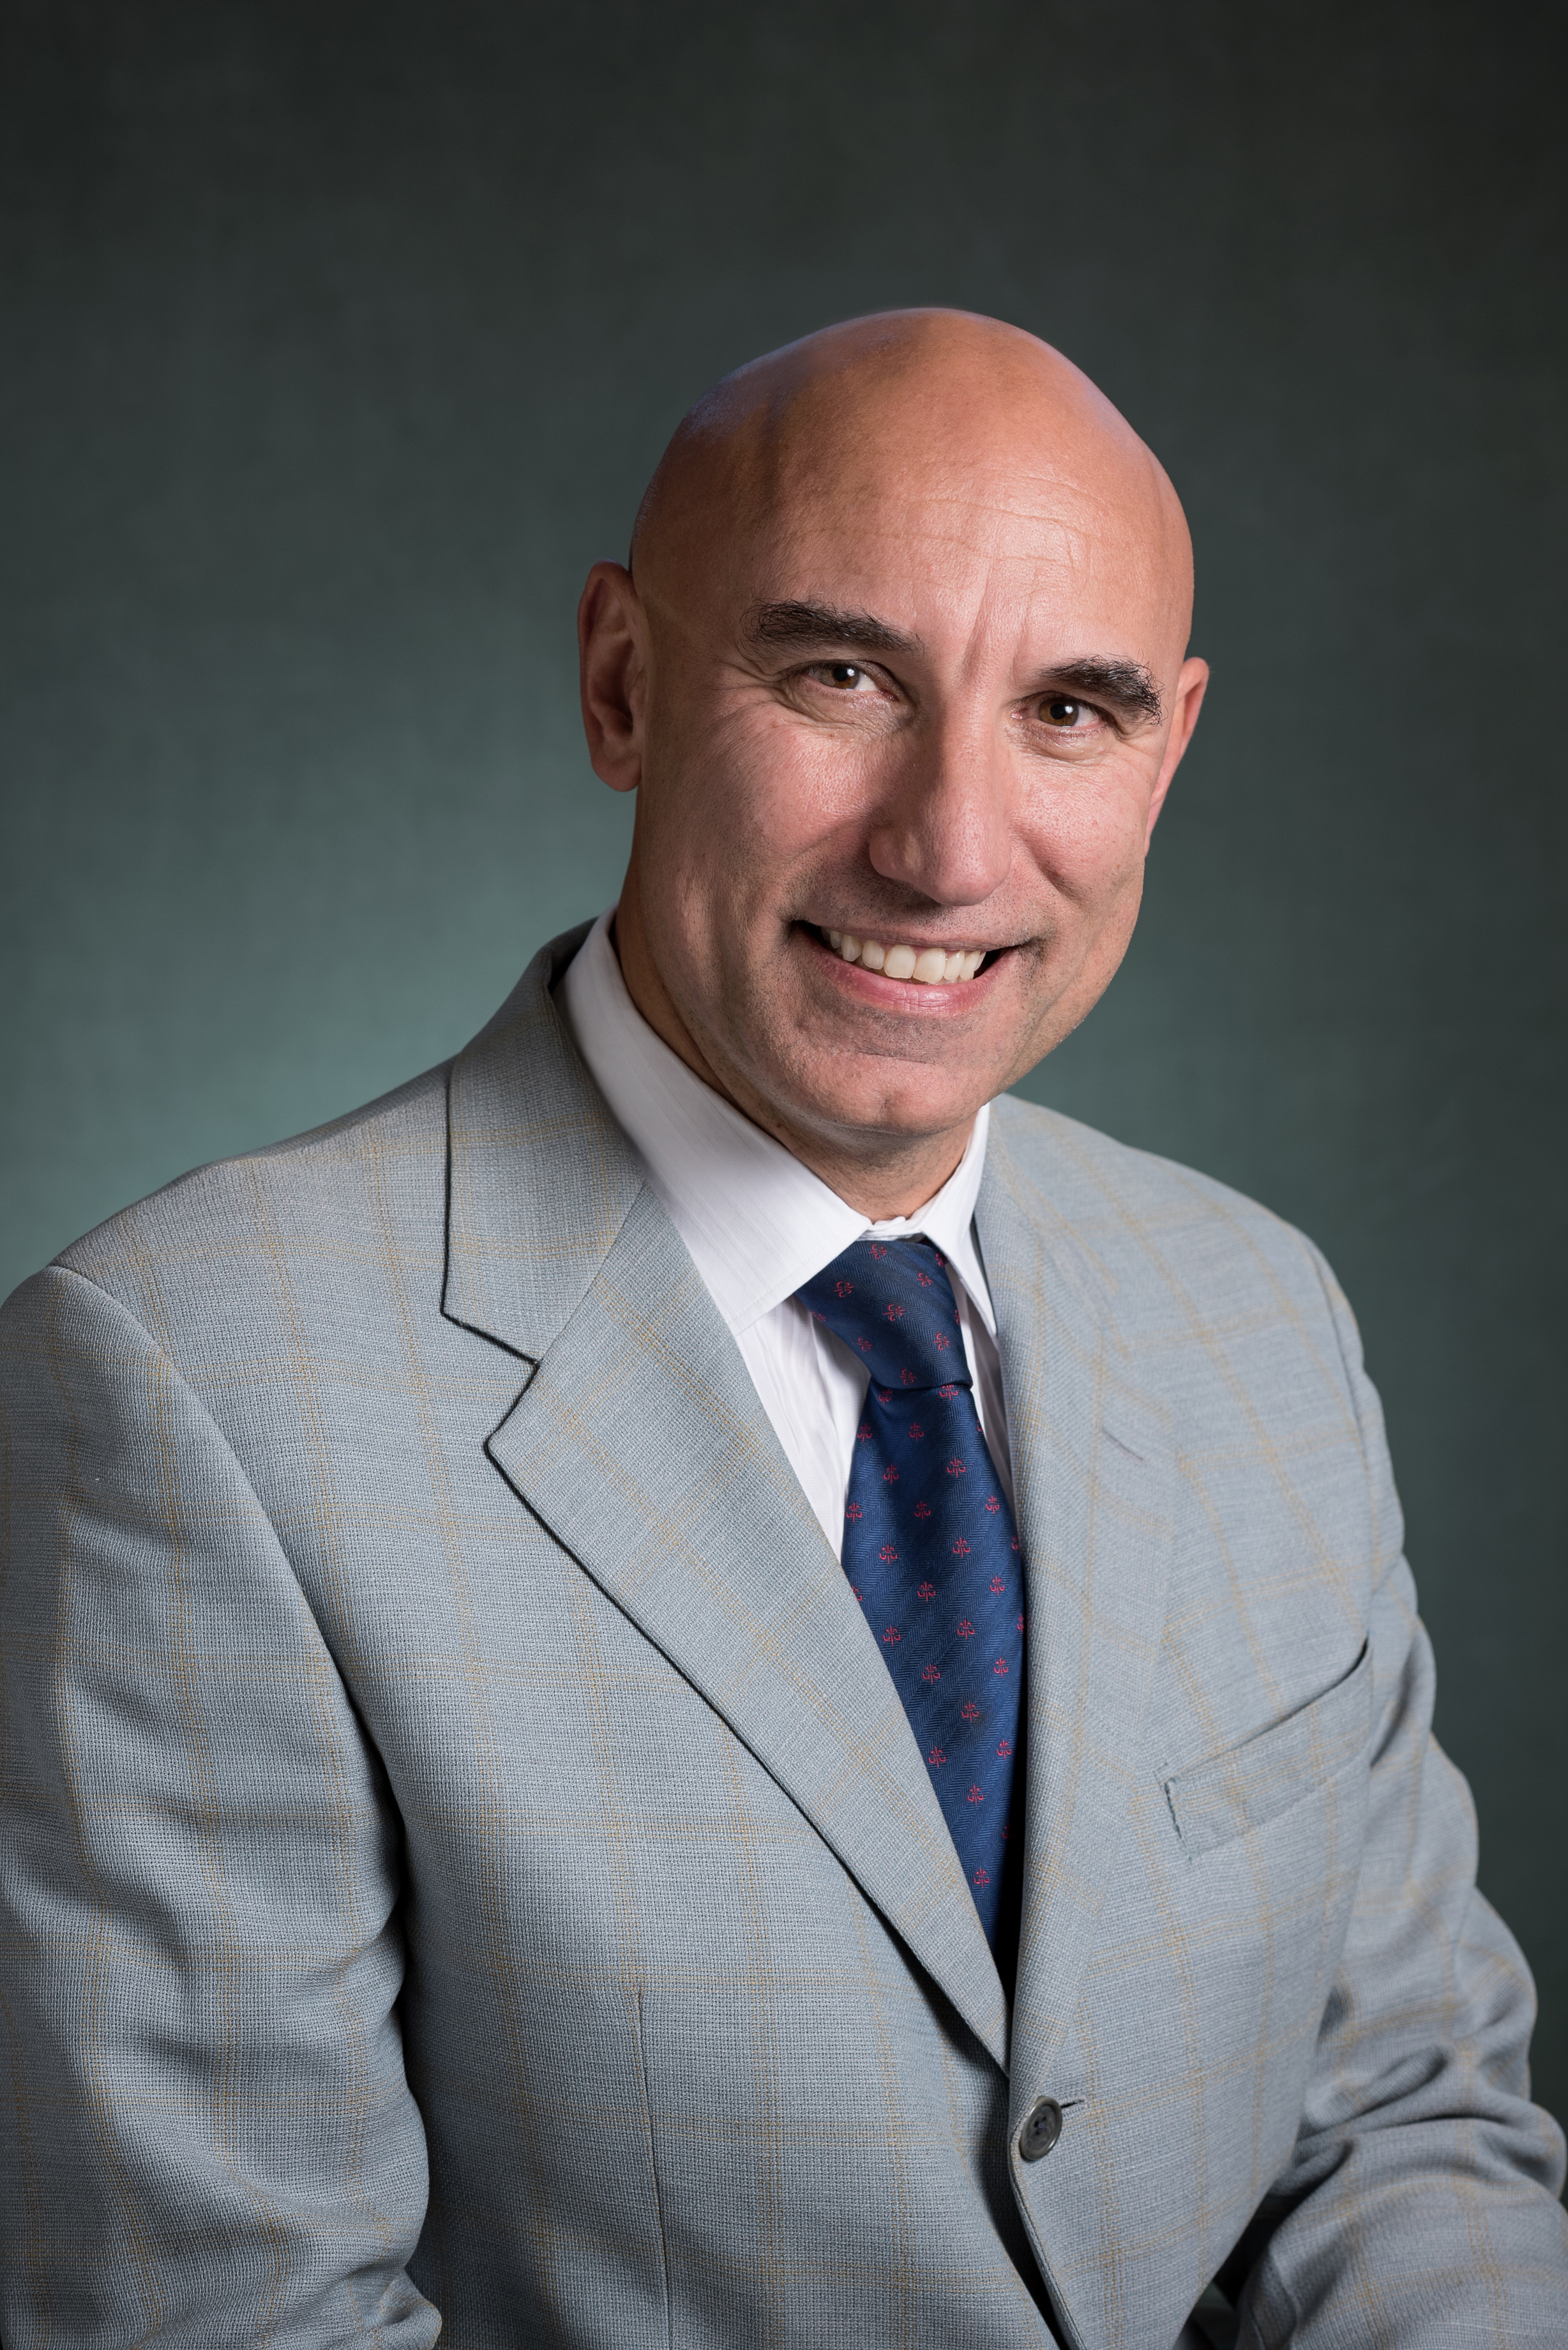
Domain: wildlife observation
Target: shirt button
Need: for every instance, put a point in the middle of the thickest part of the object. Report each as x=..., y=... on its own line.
x=1042, y=2128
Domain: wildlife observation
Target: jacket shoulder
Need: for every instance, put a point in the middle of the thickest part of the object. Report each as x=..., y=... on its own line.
x=224, y=1240
x=1155, y=1230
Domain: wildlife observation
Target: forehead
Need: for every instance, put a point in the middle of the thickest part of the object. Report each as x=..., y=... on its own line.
x=1016, y=550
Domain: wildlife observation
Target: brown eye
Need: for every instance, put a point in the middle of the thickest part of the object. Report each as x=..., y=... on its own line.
x=1061, y=711
x=846, y=674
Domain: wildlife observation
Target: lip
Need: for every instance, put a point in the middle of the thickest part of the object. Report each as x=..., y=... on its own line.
x=871, y=987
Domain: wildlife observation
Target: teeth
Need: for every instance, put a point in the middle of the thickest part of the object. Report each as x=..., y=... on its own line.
x=931, y=966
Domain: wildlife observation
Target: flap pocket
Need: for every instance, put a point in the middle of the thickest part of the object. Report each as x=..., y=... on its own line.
x=1256, y=1781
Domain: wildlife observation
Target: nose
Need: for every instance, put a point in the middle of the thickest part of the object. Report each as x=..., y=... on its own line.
x=944, y=827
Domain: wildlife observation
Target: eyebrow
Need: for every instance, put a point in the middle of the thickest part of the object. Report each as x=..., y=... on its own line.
x=1126, y=687
x=796, y=623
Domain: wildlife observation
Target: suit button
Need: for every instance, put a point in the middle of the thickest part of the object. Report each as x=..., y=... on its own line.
x=1042, y=2128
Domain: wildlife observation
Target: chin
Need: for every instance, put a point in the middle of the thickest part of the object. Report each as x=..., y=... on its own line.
x=907, y=1114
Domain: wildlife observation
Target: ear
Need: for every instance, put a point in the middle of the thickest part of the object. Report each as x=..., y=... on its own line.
x=1190, y=687
x=612, y=659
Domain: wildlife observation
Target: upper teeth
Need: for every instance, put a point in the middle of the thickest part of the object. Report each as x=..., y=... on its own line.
x=932, y=966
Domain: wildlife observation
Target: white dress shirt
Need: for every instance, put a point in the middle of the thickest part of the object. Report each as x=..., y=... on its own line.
x=757, y=1222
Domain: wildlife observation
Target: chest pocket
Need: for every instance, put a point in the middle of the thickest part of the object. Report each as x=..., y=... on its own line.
x=1253, y=1783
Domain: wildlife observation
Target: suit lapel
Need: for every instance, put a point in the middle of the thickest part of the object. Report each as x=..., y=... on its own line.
x=639, y=1441
x=539, y=1176
x=1090, y=1455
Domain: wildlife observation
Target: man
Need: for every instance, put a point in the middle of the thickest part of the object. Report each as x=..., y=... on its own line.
x=682, y=1687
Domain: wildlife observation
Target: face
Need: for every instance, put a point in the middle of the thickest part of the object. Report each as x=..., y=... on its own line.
x=915, y=725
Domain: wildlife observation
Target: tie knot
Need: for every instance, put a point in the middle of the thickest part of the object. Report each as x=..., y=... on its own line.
x=892, y=1303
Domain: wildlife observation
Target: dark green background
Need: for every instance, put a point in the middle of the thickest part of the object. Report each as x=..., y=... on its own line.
x=340, y=337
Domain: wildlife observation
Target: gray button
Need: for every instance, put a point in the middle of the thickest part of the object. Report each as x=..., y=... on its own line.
x=1042, y=2128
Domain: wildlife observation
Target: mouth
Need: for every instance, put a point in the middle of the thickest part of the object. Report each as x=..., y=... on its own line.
x=896, y=959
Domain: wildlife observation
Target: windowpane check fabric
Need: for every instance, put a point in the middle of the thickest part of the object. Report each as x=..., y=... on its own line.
x=931, y=1548
x=463, y=1873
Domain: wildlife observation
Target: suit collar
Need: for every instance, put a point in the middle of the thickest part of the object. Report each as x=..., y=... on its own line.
x=640, y=1443
x=540, y=1177
x=757, y=1221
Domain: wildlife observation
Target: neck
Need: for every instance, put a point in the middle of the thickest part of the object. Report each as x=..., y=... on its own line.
x=883, y=1178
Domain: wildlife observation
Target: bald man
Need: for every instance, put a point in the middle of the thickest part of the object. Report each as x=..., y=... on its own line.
x=699, y=1682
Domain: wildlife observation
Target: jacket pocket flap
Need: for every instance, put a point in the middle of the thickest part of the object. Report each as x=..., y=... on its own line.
x=1253, y=1783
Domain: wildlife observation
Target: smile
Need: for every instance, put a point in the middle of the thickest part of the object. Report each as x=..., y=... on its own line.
x=928, y=966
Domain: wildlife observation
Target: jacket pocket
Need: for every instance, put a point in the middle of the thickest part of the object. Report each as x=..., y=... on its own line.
x=1255, y=1781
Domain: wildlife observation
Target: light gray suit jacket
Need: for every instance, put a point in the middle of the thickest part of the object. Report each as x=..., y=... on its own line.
x=464, y=1866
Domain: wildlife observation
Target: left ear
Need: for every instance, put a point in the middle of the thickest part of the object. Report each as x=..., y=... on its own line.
x=613, y=669
x=1190, y=687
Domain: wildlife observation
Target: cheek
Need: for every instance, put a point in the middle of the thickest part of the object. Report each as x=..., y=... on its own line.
x=751, y=793
x=1087, y=835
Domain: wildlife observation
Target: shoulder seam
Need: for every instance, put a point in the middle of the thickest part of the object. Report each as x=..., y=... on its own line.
x=156, y=1346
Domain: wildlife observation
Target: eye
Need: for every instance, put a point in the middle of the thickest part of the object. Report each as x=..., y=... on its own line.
x=1059, y=710
x=843, y=676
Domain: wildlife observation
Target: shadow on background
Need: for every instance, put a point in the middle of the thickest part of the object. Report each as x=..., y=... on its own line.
x=341, y=341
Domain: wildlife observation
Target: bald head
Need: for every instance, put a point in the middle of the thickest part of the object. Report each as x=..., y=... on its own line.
x=897, y=675
x=924, y=403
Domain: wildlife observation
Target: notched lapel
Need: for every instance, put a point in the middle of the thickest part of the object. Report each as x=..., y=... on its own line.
x=1091, y=1474
x=640, y=1443
x=540, y=1177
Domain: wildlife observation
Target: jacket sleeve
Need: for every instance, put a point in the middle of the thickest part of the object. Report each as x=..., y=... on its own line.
x=1419, y=2206
x=207, y=2136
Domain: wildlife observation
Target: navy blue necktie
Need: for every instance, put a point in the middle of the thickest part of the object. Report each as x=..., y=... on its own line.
x=931, y=1553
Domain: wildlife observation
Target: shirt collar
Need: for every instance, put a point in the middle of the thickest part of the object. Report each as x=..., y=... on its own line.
x=755, y=1220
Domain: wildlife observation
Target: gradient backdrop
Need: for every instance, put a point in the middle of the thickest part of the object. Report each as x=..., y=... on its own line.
x=340, y=339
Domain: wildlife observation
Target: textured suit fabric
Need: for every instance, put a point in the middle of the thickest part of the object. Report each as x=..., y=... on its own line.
x=464, y=1866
